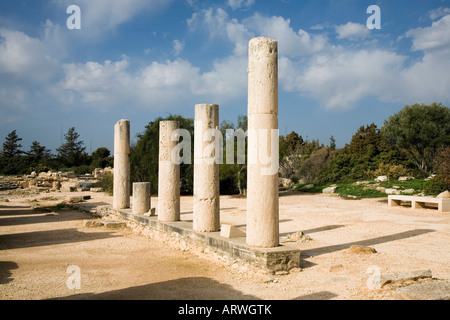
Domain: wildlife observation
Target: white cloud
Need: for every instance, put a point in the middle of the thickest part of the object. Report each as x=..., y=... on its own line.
x=157, y=86
x=290, y=42
x=352, y=31
x=309, y=64
x=435, y=37
x=25, y=57
x=236, y=4
x=178, y=47
x=107, y=83
x=219, y=24
x=340, y=78
x=439, y=12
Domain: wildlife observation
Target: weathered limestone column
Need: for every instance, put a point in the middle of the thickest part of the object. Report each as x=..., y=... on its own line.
x=169, y=174
x=141, y=198
x=121, y=199
x=262, y=175
x=206, y=169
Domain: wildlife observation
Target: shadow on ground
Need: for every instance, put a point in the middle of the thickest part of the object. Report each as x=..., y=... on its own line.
x=368, y=242
x=49, y=238
x=192, y=288
x=5, y=271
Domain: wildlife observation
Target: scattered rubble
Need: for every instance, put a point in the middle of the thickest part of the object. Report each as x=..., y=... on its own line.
x=53, y=181
x=298, y=236
x=361, y=249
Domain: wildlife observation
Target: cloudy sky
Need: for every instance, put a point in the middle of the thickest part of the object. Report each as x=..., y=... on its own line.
x=141, y=59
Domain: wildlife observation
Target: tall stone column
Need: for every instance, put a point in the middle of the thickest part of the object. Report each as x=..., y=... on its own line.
x=206, y=169
x=262, y=170
x=121, y=199
x=141, y=198
x=169, y=174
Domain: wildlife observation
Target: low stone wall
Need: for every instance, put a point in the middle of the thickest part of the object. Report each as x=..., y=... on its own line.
x=275, y=259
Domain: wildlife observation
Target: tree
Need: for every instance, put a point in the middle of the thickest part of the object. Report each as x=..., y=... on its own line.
x=144, y=157
x=420, y=131
x=101, y=158
x=367, y=141
x=72, y=153
x=11, y=146
x=332, y=143
x=233, y=176
x=290, y=153
x=38, y=152
x=443, y=166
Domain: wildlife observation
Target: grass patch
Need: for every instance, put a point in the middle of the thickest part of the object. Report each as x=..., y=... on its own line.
x=347, y=189
x=416, y=184
x=316, y=189
x=350, y=190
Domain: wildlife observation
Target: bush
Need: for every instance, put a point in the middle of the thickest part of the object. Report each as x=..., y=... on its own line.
x=106, y=182
x=310, y=168
x=346, y=167
x=436, y=186
x=345, y=190
x=80, y=170
x=443, y=166
x=391, y=171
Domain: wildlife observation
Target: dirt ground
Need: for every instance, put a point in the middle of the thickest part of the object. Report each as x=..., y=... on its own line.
x=39, y=250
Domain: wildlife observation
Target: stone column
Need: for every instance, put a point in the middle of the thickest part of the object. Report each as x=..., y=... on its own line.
x=262, y=176
x=169, y=174
x=121, y=199
x=206, y=169
x=141, y=198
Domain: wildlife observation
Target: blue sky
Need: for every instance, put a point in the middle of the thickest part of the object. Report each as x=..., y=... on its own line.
x=141, y=59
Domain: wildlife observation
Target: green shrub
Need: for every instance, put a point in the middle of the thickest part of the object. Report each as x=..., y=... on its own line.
x=436, y=186
x=443, y=166
x=391, y=171
x=106, y=182
x=345, y=190
x=80, y=170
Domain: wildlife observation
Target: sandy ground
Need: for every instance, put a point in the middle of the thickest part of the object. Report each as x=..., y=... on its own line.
x=38, y=250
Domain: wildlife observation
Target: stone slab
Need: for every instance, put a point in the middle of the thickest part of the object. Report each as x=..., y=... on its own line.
x=403, y=276
x=281, y=258
x=432, y=290
x=114, y=224
x=229, y=231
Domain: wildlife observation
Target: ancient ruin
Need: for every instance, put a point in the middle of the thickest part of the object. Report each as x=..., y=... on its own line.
x=168, y=175
x=260, y=243
x=206, y=169
x=141, y=198
x=262, y=184
x=121, y=198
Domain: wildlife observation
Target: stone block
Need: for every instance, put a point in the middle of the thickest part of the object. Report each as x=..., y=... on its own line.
x=404, y=276
x=444, y=195
x=361, y=249
x=229, y=231
x=433, y=290
x=114, y=224
x=150, y=213
x=329, y=190
x=75, y=199
x=92, y=224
